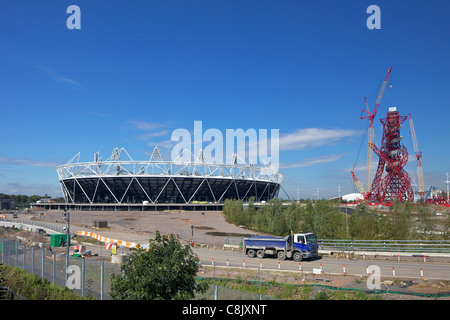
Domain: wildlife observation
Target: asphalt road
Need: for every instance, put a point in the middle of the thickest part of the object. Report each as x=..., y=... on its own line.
x=431, y=270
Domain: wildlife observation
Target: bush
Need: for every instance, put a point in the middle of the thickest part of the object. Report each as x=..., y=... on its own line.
x=166, y=271
x=32, y=287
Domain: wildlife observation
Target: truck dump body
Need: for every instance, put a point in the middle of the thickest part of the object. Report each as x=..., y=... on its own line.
x=265, y=242
x=296, y=246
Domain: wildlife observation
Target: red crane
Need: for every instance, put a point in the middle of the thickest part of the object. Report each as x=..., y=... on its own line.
x=357, y=183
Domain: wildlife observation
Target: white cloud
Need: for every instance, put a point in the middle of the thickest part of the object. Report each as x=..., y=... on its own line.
x=147, y=136
x=57, y=77
x=144, y=125
x=165, y=144
x=312, y=161
x=28, y=162
x=313, y=137
x=149, y=130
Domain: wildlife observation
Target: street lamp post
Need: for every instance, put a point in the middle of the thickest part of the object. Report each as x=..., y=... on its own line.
x=67, y=218
x=204, y=214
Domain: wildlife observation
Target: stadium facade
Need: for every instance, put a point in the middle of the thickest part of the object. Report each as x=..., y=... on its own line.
x=120, y=180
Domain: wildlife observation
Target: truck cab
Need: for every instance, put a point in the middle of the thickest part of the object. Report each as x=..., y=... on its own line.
x=306, y=243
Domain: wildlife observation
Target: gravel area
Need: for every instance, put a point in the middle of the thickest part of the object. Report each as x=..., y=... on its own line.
x=209, y=228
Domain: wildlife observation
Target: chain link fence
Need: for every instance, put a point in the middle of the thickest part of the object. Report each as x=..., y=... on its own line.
x=95, y=278
x=95, y=274
x=216, y=292
x=84, y=276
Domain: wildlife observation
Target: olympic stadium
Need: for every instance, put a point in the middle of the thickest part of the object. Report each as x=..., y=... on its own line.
x=121, y=183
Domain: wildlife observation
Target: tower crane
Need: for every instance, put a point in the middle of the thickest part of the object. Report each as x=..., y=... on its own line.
x=418, y=157
x=371, y=131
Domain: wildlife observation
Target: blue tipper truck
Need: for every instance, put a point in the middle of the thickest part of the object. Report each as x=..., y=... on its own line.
x=297, y=246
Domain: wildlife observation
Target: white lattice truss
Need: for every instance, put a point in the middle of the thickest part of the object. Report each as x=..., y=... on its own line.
x=238, y=173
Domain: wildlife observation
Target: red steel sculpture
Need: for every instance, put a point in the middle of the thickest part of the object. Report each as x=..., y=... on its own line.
x=391, y=181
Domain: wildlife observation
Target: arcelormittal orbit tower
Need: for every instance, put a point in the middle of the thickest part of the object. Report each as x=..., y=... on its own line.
x=391, y=181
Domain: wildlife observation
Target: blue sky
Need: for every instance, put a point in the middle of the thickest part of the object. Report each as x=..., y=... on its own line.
x=137, y=70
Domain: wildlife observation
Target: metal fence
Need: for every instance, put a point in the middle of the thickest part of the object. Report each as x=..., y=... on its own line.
x=407, y=246
x=94, y=276
x=25, y=225
x=216, y=292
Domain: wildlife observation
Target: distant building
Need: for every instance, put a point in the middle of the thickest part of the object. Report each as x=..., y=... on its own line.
x=6, y=204
x=351, y=197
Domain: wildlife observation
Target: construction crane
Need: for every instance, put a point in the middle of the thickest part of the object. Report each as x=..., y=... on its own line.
x=371, y=131
x=357, y=183
x=428, y=194
x=418, y=157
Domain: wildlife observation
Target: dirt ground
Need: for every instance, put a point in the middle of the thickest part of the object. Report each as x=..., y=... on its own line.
x=210, y=227
x=392, y=289
x=439, y=209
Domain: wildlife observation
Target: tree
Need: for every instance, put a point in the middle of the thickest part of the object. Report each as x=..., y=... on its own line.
x=398, y=224
x=446, y=231
x=233, y=209
x=325, y=220
x=293, y=215
x=364, y=223
x=425, y=227
x=166, y=271
x=308, y=217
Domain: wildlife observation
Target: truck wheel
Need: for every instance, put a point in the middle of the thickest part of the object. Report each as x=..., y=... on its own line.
x=298, y=256
x=281, y=255
x=260, y=254
x=251, y=253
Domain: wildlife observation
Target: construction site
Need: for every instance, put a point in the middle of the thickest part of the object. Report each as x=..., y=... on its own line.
x=391, y=181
